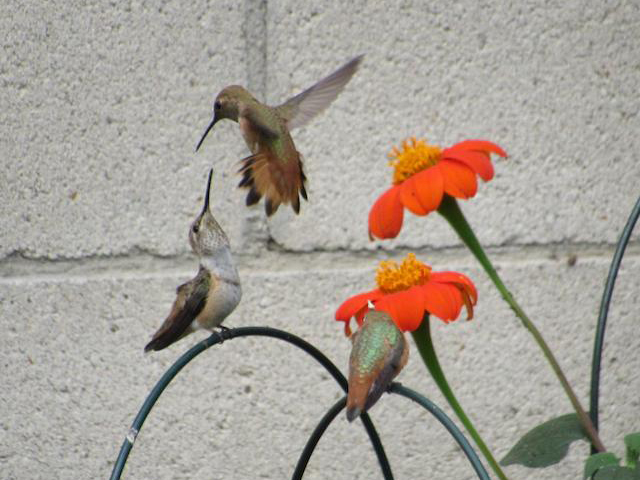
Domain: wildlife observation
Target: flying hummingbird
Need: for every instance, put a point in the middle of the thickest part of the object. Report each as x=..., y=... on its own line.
x=379, y=352
x=207, y=299
x=274, y=168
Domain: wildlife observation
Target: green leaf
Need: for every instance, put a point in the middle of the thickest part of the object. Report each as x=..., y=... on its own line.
x=597, y=461
x=615, y=472
x=546, y=444
x=632, y=441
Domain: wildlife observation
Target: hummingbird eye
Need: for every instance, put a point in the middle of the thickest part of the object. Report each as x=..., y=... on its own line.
x=217, y=105
x=195, y=228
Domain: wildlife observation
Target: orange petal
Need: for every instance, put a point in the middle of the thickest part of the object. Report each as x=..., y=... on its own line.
x=480, y=146
x=459, y=180
x=347, y=328
x=405, y=307
x=353, y=305
x=429, y=186
x=468, y=293
x=478, y=161
x=455, y=277
x=467, y=303
x=457, y=299
x=360, y=314
x=442, y=300
x=409, y=197
x=385, y=217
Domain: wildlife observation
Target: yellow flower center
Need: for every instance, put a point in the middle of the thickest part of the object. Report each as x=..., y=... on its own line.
x=413, y=157
x=392, y=277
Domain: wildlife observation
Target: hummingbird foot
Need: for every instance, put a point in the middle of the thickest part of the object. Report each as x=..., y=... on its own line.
x=391, y=385
x=223, y=333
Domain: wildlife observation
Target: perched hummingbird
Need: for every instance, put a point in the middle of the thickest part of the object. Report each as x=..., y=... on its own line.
x=206, y=300
x=274, y=168
x=379, y=352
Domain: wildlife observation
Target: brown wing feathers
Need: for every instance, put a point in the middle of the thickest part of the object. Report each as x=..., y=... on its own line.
x=191, y=299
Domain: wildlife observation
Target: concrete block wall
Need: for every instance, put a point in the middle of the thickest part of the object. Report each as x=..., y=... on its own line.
x=102, y=106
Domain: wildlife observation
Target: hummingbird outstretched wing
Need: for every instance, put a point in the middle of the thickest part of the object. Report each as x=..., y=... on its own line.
x=190, y=301
x=299, y=110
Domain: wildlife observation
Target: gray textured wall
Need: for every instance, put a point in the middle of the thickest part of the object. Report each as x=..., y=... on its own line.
x=102, y=105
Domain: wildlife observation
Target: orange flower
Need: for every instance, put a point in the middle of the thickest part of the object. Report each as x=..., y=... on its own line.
x=409, y=290
x=423, y=174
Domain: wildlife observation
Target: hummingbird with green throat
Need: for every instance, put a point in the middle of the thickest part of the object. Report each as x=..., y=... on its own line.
x=207, y=299
x=274, y=168
x=380, y=351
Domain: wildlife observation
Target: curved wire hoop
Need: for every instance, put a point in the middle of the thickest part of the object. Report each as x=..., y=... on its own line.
x=447, y=423
x=315, y=437
x=401, y=390
x=228, y=334
x=604, y=310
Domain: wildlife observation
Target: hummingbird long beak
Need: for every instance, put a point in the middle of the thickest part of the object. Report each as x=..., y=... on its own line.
x=206, y=196
x=213, y=122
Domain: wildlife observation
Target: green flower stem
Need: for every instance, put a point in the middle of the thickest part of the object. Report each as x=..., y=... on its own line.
x=422, y=337
x=450, y=210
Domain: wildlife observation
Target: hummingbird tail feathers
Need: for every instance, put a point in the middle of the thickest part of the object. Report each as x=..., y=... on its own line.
x=279, y=182
x=353, y=412
x=357, y=395
x=162, y=339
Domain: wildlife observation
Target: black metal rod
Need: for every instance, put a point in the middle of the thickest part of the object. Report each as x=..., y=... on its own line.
x=377, y=446
x=399, y=389
x=229, y=334
x=604, y=311
x=153, y=397
x=315, y=437
x=447, y=423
